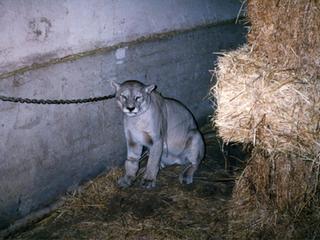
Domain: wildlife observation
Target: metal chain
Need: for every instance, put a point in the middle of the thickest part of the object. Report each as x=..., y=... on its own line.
x=48, y=101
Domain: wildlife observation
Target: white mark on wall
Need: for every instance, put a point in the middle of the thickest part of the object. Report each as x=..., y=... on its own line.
x=121, y=54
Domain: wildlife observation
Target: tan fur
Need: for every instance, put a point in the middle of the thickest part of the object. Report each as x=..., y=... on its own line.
x=163, y=125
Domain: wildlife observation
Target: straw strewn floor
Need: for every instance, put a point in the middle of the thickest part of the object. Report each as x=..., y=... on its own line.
x=169, y=211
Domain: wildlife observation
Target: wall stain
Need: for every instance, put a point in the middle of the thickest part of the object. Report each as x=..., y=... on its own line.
x=17, y=82
x=30, y=125
x=39, y=29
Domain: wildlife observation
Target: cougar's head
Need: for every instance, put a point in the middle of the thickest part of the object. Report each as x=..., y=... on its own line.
x=133, y=97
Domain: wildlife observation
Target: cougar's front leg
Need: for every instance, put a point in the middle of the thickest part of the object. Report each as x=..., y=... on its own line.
x=149, y=178
x=134, y=151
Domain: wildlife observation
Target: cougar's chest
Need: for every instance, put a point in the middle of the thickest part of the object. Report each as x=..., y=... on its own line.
x=140, y=129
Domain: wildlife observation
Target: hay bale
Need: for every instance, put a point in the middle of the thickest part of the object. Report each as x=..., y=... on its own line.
x=288, y=32
x=275, y=197
x=271, y=108
x=267, y=97
x=276, y=112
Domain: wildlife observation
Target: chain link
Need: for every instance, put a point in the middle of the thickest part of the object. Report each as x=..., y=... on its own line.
x=48, y=101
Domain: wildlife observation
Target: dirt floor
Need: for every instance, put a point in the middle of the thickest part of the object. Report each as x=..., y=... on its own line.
x=168, y=211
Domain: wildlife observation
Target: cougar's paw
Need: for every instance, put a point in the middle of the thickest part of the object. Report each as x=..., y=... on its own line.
x=148, y=183
x=186, y=177
x=123, y=183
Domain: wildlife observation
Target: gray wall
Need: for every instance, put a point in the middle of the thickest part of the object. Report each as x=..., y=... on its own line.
x=46, y=150
x=36, y=31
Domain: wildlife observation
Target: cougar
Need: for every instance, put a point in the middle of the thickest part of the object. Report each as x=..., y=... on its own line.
x=165, y=126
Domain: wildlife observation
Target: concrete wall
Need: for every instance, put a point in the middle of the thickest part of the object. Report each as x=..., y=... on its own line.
x=36, y=31
x=46, y=150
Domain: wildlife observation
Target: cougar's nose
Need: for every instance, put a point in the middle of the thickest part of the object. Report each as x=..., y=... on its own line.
x=130, y=108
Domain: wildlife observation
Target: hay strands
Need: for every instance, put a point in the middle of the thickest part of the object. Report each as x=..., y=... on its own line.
x=265, y=106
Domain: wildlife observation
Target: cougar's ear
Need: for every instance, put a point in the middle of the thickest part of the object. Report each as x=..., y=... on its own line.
x=115, y=85
x=149, y=88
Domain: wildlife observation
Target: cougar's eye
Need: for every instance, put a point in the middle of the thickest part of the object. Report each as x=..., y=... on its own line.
x=138, y=98
x=124, y=97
